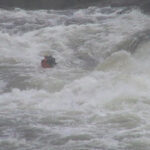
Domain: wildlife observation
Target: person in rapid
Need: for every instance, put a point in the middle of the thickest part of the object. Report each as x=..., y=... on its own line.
x=48, y=62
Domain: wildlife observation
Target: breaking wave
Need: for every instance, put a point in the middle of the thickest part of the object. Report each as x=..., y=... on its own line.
x=97, y=96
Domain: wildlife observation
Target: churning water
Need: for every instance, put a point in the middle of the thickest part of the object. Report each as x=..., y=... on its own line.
x=98, y=95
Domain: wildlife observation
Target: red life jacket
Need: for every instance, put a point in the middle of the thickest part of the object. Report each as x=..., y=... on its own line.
x=44, y=64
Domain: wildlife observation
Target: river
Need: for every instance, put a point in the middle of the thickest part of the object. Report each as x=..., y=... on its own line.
x=96, y=97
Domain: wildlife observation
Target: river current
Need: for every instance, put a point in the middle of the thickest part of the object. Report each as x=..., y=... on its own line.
x=98, y=95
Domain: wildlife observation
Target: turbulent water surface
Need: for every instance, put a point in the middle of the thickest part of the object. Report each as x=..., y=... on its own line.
x=98, y=95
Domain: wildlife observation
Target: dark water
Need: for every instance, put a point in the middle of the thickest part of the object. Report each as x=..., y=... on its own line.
x=65, y=4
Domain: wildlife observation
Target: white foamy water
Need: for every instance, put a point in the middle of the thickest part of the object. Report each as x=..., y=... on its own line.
x=96, y=98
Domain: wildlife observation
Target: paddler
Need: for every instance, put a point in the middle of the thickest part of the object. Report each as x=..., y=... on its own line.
x=48, y=62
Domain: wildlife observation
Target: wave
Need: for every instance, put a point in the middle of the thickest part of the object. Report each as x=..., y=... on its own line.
x=97, y=96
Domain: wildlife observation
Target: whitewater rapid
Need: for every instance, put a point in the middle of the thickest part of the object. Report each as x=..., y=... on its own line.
x=96, y=98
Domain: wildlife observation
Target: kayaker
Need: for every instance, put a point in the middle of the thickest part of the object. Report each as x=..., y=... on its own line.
x=48, y=62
